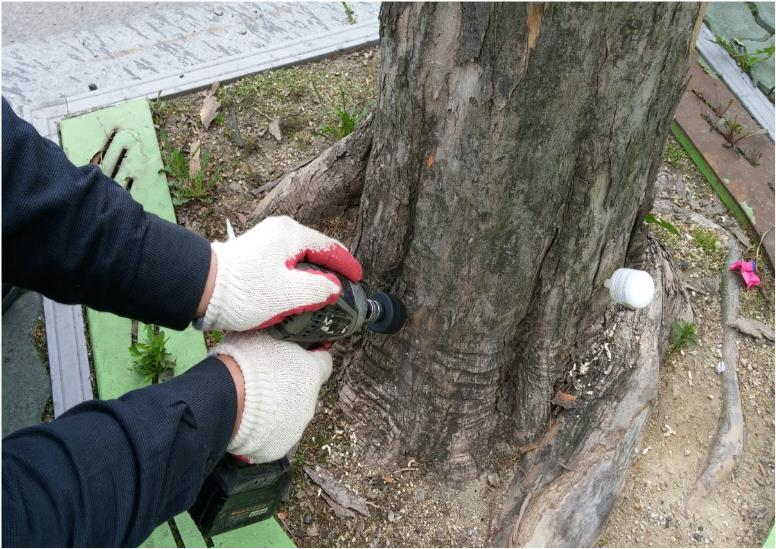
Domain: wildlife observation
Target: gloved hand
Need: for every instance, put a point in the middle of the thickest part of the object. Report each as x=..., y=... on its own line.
x=256, y=283
x=282, y=382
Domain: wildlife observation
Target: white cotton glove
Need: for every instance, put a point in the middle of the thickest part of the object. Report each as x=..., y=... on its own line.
x=282, y=381
x=257, y=284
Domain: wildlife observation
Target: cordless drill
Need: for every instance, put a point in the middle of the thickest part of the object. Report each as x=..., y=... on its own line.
x=238, y=493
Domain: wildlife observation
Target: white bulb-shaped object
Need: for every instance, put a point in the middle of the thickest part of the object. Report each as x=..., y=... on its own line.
x=631, y=287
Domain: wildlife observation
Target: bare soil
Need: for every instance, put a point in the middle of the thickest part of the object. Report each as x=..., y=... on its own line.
x=409, y=505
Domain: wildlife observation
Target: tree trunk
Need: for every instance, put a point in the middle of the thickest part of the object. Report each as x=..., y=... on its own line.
x=513, y=157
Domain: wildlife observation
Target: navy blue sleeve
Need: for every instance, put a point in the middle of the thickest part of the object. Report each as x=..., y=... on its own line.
x=106, y=473
x=76, y=236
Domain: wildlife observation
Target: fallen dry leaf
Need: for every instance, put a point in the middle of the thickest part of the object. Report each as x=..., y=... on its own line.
x=388, y=478
x=195, y=163
x=339, y=510
x=274, y=129
x=564, y=400
x=336, y=491
x=208, y=111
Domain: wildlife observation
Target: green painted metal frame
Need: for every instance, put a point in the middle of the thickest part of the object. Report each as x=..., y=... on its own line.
x=130, y=132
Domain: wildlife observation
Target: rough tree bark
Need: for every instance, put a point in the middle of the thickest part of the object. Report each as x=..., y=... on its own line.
x=513, y=157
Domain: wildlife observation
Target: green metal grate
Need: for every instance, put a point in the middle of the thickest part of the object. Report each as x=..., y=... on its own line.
x=130, y=154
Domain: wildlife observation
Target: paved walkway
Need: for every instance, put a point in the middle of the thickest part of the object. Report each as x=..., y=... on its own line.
x=60, y=58
x=26, y=386
x=751, y=24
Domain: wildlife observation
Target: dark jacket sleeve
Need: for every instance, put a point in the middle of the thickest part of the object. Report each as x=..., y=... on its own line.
x=76, y=236
x=106, y=473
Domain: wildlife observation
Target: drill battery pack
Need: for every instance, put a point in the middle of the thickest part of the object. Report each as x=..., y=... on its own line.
x=237, y=494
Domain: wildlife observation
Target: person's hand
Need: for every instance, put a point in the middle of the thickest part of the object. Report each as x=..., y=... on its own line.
x=281, y=383
x=256, y=283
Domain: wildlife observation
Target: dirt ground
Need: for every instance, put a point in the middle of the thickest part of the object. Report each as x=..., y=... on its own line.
x=674, y=445
x=304, y=99
x=408, y=505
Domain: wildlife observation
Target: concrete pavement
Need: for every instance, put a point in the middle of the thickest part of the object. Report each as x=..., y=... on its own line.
x=63, y=58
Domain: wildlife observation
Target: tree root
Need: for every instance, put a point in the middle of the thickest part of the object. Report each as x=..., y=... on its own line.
x=324, y=187
x=663, y=206
x=565, y=486
x=729, y=441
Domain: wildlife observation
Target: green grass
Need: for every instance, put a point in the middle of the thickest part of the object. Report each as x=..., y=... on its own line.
x=348, y=117
x=160, y=110
x=683, y=335
x=150, y=359
x=738, y=52
x=674, y=153
x=349, y=13
x=651, y=218
x=280, y=85
x=184, y=187
x=320, y=99
x=706, y=239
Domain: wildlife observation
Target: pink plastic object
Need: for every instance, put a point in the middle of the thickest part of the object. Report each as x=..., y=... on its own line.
x=748, y=271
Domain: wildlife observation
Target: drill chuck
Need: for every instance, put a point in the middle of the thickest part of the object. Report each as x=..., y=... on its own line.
x=373, y=310
x=382, y=313
x=386, y=314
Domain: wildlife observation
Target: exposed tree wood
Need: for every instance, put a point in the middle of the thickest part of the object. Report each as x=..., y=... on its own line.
x=513, y=162
x=728, y=443
x=563, y=490
x=754, y=328
x=324, y=187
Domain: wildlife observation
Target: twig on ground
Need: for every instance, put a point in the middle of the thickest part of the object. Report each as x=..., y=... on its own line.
x=402, y=470
x=694, y=289
x=757, y=252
